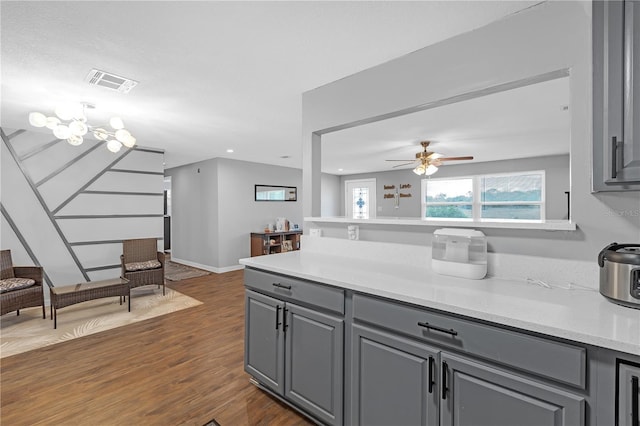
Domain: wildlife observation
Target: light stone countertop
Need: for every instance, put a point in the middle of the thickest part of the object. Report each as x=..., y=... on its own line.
x=578, y=314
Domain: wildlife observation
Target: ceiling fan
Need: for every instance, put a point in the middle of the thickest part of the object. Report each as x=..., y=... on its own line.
x=429, y=161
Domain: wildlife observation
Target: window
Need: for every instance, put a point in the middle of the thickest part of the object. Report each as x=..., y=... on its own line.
x=494, y=197
x=360, y=199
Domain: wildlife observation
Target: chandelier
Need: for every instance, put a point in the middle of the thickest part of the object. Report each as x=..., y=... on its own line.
x=70, y=123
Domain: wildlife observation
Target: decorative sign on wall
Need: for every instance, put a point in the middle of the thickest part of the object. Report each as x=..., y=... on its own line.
x=396, y=195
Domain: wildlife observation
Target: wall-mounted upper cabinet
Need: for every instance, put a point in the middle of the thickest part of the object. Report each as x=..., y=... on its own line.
x=616, y=95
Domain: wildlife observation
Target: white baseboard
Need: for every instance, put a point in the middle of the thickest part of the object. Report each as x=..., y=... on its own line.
x=207, y=267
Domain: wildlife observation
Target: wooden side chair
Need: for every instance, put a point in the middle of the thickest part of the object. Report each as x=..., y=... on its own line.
x=20, y=286
x=142, y=263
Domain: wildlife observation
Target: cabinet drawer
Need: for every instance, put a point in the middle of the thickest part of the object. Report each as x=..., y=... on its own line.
x=557, y=361
x=296, y=290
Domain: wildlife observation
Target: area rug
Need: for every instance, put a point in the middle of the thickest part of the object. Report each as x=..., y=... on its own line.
x=177, y=271
x=29, y=331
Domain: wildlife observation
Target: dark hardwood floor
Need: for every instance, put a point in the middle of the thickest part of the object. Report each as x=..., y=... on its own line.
x=184, y=368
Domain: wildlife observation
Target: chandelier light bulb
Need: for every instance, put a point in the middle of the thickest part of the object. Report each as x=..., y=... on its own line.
x=101, y=134
x=122, y=135
x=116, y=123
x=129, y=142
x=113, y=145
x=78, y=128
x=52, y=122
x=420, y=169
x=37, y=119
x=62, y=132
x=75, y=140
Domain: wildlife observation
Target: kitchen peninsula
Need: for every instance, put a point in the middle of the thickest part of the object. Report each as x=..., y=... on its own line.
x=382, y=331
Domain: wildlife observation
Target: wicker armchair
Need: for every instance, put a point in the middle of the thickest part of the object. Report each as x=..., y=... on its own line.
x=142, y=263
x=14, y=300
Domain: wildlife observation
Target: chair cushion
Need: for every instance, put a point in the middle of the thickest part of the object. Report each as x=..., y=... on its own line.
x=142, y=266
x=10, y=284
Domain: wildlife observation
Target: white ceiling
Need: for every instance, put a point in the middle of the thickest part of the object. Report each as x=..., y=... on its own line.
x=213, y=75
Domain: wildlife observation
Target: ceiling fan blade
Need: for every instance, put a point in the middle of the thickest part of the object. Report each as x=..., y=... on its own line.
x=405, y=164
x=469, y=157
x=402, y=160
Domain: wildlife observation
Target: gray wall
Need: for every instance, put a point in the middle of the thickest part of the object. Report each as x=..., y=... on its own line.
x=556, y=182
x=546, y=38
x=68, y=208
x=332, y=194
x=214, y=211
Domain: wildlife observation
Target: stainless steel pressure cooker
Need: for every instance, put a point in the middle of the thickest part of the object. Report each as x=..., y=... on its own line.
x=620, y=274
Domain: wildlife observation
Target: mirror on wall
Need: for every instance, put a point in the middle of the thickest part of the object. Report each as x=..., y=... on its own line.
x=523, y=129
x=276, y=193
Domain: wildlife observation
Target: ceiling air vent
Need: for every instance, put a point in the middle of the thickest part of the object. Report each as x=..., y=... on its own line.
x=110, y=81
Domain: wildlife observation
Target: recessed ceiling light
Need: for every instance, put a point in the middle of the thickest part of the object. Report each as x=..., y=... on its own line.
x=229, y=150
x=340, y=170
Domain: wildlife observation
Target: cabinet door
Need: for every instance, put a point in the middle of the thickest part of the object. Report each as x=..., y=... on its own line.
x=314, y=362
x=473, y=394
x=616, y=95
x=393, y=380
x=628, y=395
x=264, y=340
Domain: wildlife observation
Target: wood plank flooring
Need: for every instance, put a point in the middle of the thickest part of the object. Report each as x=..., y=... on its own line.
x=184, y=368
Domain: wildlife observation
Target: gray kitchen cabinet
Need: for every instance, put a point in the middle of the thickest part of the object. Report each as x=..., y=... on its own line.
x=474, y=394
x=294, y=351
x=393, y=380
x=415, y=366
x=628, y=394
x=314, y=362
x=412, y=365
x=616, y=95
x=264, y=340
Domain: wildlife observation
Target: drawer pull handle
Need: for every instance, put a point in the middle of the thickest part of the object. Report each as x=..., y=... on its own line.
x=614, y=157
x=635, y=391
x=445, y=367
x=450, y=331
x=288, y=287
x=431, y=374
x=277, y=316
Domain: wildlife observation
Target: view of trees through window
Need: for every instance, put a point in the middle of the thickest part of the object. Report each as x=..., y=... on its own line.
x=506, y=196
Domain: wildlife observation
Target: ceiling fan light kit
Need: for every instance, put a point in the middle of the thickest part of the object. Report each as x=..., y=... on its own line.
x=70, y=124
x=429, y=161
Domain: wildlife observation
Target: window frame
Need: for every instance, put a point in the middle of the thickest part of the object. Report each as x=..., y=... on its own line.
x=477, y=203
